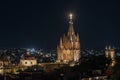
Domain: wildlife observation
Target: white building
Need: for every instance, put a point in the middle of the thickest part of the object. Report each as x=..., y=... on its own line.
x=28, y=60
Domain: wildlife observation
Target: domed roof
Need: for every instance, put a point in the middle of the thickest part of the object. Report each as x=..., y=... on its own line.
x=28, y=56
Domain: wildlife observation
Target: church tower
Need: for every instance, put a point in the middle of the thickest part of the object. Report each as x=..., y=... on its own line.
x=69, y=46
x=110, y=54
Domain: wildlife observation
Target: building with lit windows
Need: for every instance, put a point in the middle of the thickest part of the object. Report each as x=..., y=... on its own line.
x=28, y=60
x=5, y=65
x=110, y=54
x=69, y=46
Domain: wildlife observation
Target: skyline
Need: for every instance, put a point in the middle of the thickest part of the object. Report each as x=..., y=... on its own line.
x=41, y=24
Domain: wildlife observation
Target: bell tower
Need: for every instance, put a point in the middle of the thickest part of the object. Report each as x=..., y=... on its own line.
x=110, y=54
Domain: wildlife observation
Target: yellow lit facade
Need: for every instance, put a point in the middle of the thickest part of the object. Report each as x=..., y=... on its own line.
x=69, y=46
x=110, y=53
x=28, y=60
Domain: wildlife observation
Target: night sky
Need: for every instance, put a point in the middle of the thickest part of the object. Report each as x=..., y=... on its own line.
x=41, y=23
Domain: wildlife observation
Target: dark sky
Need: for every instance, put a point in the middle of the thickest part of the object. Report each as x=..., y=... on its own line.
x=40, y=23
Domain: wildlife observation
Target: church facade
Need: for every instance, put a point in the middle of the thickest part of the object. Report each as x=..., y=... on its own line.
x=110, y=54
x=69, y=46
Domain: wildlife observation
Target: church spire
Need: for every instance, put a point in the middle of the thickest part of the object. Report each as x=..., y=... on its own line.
x=61, y=44
x=70, y=30
x=71, y=16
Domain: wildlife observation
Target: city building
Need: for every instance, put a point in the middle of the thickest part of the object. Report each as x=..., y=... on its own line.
x=110, y=54
x=4, y=64
x=28, y=60
x=69, y=47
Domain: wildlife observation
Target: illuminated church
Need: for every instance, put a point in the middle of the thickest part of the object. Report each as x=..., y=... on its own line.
x=110, y=54
x=69, y=47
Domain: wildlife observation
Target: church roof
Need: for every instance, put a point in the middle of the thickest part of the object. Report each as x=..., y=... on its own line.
x=69, y=41
x=28, y=56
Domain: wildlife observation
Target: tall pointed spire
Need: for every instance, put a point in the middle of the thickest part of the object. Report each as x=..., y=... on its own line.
x=69, y=45
x=61, y=45
x=70, y=30
x=78, y=37
x=106, y=47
